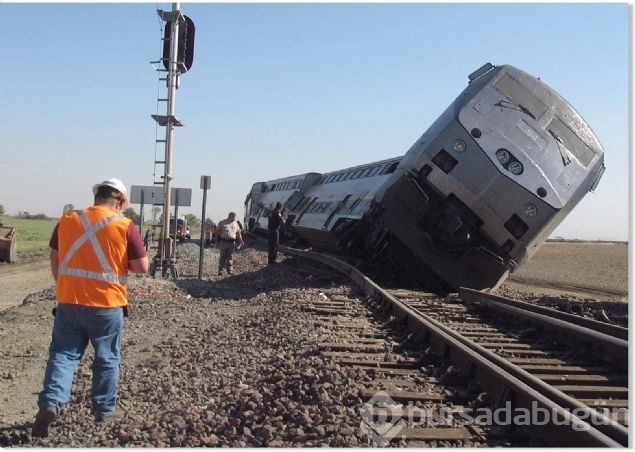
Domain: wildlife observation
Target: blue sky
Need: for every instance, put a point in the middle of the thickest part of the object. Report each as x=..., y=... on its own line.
x=282, y=89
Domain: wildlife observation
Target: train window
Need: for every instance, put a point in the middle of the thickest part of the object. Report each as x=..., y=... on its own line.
x=339, y=207
x=294, y=200
x=319, y=207
x=303, y=203
x=520, y=96
x=571, y=141
x=373, y=170
x=351, y=209
x=273, y=187
x=305, y=209
x=390, y=168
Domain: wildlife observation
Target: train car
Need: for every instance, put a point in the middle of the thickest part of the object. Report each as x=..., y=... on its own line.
x=334, y=205
x=475, y=197
x=263, y=196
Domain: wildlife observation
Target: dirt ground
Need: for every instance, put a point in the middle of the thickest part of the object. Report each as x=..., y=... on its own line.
x=589, y=272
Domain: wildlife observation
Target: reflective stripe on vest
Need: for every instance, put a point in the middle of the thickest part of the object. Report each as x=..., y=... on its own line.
x=89, y=234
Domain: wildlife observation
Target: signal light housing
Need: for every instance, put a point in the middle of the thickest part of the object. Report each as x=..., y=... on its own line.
x=185, y=54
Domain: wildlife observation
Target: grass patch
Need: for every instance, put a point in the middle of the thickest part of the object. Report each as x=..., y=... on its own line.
x=30, y=235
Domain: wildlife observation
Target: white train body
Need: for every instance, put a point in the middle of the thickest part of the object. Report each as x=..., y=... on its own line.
x=472, y=199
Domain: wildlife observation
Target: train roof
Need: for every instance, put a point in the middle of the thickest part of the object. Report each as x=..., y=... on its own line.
x=365, y=165
x=287, y=179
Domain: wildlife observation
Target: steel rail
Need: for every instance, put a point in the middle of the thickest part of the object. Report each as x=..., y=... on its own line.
x=602, y=327
x=564, y=428
x=606, y=347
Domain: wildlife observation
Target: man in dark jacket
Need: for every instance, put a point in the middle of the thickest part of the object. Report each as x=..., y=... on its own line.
x=275, y=222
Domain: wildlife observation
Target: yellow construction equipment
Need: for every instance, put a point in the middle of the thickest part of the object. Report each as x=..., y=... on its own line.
x=8, y=251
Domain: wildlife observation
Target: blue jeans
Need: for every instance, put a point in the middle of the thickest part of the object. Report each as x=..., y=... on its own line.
x=74, y=327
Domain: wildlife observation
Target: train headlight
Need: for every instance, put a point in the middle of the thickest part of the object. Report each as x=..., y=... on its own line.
x=503, y=156
x=515, y=168
x=531, y=210
x=458, y=145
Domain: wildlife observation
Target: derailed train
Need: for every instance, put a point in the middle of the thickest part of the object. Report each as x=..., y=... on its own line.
x=471, y=201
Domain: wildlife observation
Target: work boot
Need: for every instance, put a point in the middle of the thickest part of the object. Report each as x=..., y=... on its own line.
x=43, y=419
x=109, y=418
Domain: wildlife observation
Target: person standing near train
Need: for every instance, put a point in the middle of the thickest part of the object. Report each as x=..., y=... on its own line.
x=227, y=233
x=273, y=237
x=92, y=251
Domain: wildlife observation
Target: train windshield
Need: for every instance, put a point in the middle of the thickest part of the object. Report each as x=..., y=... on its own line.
x=520, y=96
x=569, y=142
x=566, y=137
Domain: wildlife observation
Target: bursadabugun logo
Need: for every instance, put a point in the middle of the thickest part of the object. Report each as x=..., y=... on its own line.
x=381, y=418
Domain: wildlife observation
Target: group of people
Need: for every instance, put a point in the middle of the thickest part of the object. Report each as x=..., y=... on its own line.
x=92, y=252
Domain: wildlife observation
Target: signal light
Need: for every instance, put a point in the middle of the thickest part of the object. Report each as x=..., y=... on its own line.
x=503, y=156
x=516, y=168
x=531, y=210
x=185, y=53
x=458, y=145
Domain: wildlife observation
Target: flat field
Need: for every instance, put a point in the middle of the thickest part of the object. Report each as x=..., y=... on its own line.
x=31, y=235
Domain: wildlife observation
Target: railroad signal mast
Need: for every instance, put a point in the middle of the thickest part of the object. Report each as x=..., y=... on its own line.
x=178, y=54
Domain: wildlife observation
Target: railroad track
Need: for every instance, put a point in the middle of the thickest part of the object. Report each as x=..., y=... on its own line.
x=558, y=379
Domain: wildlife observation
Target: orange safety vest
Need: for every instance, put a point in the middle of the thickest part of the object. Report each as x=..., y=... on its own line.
x=93, y=259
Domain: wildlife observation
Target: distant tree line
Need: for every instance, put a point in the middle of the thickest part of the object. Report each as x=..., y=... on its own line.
x=192, y=219
x=28, y=216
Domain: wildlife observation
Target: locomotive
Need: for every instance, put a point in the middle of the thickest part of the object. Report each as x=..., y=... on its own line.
x=471, y=201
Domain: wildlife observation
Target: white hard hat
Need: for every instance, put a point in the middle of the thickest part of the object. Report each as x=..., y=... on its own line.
x=114, y=183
